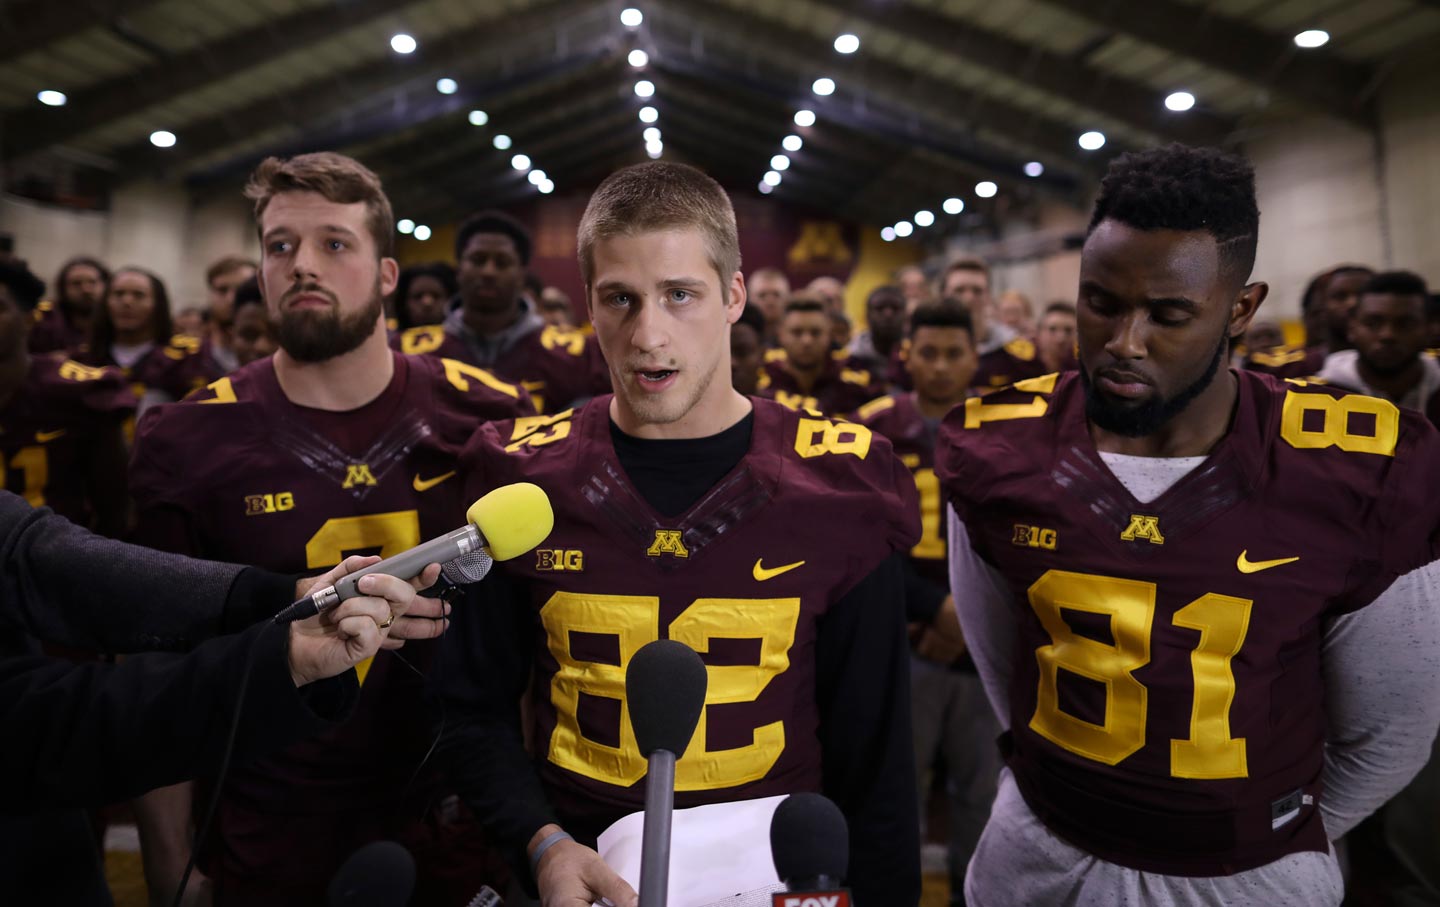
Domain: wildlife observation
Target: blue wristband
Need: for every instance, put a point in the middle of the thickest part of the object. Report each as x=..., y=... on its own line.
x=550, y=841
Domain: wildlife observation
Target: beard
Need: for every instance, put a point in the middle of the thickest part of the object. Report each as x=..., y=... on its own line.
x=315, y=335
x=1139, y=420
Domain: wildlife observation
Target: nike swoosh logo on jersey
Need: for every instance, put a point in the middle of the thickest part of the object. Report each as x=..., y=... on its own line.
x=762, y=574
x=427, y=484
x=1249, y=566
x=41, y=437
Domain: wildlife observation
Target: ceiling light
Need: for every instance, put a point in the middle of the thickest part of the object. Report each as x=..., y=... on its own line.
x=422, y=232
x=502, y=142
x=631, y=17
x=986, y=189
x=904, y=228
x=780, y=162
x=651, y=133
x=1092, y=141
x=644, y=89
x=772, y=177
x=924, y=218
x=547, y=187
x=520, y=162
x=52, y=98
x=403, y=44
x=792, y=143
x=638, y=58
x=1034, y=168
x=953, y=206
x=887, y=234
x=1312, y=38
x=405, y=225
x=654, y=153
x=536, y=177
x=765, y=188
x=823, y=86
x=162, y=139
x=479, y=118
x=447, y=86
x=804, y=118
x=1180, y=101
x=656, y=146
x=847, y=44
x=649, y=114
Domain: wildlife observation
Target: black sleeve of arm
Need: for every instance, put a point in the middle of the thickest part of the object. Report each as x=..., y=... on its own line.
x=88, y=734
x=863, y=688
x=475, y=699
x=922, y=597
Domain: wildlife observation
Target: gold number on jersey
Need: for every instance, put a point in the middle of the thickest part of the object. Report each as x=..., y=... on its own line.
x=817, y=437
x=392, y=533
x=931, y=546
x=1335, y=429
x=34, y=468
x=70, y=370
x=1210, y=751
x=458, y=374
x=977, y=413
x=633, y=621
x=527, y=431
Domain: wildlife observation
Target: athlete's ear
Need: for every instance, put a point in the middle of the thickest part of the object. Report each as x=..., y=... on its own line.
x=1247, y=303
x=735, y=296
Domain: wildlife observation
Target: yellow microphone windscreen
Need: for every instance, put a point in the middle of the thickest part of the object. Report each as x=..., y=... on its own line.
x=513, y=519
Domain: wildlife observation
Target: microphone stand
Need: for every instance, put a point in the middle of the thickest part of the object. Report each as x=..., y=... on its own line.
x=655, y=843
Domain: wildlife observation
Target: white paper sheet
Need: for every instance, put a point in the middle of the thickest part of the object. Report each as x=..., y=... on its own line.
x=719, y=854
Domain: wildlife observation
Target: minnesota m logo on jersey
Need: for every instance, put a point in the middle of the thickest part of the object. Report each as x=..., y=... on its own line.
x=358, y=474
x=1143, y=528
x=667, y=541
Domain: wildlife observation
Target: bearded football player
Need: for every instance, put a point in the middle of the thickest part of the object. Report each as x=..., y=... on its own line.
x=335, y=445
x=767, y=540
x=1203, y=602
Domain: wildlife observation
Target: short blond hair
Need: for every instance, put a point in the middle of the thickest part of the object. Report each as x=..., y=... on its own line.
x=339, y=179
x=659, y=195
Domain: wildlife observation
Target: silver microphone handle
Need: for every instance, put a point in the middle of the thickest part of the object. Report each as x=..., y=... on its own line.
x=409, y=564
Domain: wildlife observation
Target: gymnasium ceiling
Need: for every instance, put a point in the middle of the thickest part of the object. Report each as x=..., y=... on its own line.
x=940, y=96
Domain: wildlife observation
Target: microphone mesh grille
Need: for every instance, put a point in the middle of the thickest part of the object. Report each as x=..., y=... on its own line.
x=468, y=568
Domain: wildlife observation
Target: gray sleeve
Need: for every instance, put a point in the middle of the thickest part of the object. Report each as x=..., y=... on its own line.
x=63, y=584
x=987, y=615
x=1382, y=697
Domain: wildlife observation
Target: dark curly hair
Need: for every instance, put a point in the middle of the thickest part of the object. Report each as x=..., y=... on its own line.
x=443, y=274
x=1397, y=283
x=946, y=313
x=493, y=222
x=24, y=286
x=1176, y=187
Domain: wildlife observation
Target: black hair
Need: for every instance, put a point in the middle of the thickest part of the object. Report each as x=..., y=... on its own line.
x=24, y=286
x=102, y=329
x=1432, y=306
x=493, y=222
x=439, y=270
x=1397, y=283
x=802, y=303
x=888, y=289
x=534, y=284
x=1064, y=308
x=1176, y=187
x=948, y=313
x=752, y=316
x=248, y=293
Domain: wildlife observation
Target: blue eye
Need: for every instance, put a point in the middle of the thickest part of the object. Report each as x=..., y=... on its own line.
x=680, y=295
x=337, y=245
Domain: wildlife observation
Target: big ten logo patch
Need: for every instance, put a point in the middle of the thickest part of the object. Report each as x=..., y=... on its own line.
x=560, y=560
x=1034, y=537
x=256, y=504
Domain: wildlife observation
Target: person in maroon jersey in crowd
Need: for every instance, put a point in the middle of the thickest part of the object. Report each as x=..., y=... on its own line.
x=747, y=350
x=769, y=540
x=809, y=376
x=916, y=286
x=61, y=443
x=253, y=336
x=333, y=446
x=1389, y=358
x=885, y=314
x=132, y=331
x=952, y=720
x=63, y=325
x=1005, y=356
x=423, y=293
x=1055, y=338
x=1327, y=306
x=1201, y=600
x=493, y=325
x=222, y=279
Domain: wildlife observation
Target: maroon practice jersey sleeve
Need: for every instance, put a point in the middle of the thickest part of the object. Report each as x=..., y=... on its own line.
x=1167, y=708
x=838, y=389
x=745, y=577
x=62, y=418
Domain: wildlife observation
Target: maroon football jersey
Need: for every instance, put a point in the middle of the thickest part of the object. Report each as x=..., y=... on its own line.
x=556, y=365
x=1015, y=361
x=1288, y=362
x=51, y=332
x=1167, y=705
x=53, y=426
x=241, y=474
x=913, y=438
x=838, y=390
x=175, y=369
x=742, y=577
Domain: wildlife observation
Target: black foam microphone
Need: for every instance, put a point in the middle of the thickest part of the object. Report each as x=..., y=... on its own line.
x=380, y=874
x=665, y=685
x=810, y=844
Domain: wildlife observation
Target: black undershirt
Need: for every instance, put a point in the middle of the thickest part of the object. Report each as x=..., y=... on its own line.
x=671, y=475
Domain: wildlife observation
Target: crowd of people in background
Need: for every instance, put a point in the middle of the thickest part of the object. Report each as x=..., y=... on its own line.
x=81, y=357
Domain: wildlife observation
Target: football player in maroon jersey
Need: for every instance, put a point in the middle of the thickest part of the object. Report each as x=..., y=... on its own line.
x=1202, y=601
x=766, y=539
x=60, y=422
x=332, y=446
x=63, y=324
x=809, y=376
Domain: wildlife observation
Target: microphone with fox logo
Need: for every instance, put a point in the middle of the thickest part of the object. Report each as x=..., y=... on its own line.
x=665, y=685
x=505, y=523
x=810, y=844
